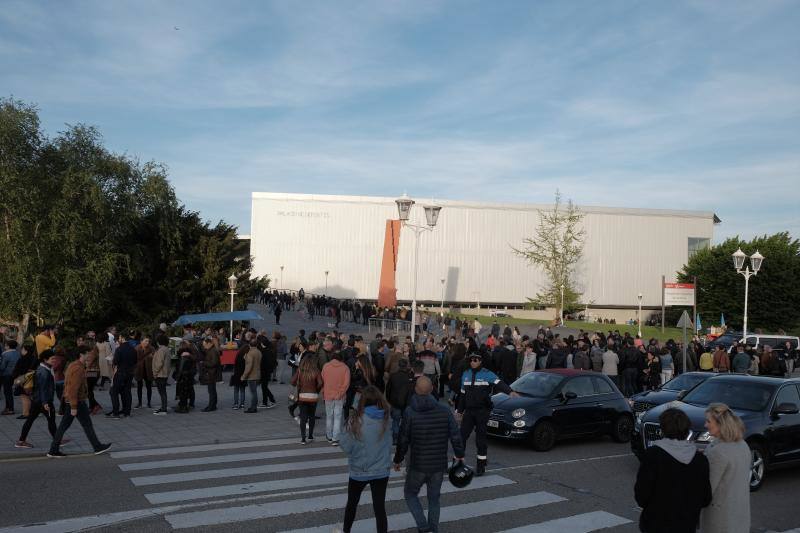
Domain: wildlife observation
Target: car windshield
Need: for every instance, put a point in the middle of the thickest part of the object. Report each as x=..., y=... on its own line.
x=537, y=384
x=684, y=382
x=735, y=394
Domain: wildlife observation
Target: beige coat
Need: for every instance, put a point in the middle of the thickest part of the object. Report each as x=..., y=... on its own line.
x=729, y=474
x=161, y=361
x=252, y=365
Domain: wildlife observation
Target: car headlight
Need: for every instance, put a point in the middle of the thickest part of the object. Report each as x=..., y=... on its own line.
x=639, y=416
x=704, y=437
x=518, y=413
x=519, y=423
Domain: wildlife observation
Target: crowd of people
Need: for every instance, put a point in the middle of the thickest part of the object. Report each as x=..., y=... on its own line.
x=383, y=397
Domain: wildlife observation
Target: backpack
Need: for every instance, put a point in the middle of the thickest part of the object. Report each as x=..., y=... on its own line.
x=25, y=383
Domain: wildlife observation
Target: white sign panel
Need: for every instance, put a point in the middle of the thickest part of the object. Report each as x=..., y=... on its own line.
x=681, y=294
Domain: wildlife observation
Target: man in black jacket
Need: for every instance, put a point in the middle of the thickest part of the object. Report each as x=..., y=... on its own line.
x=398, y=390
x=427, y=427
x=123, y=364
x=629, y=361
x=672, y=485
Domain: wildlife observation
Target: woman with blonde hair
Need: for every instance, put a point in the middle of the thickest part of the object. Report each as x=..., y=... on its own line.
x=729, y=460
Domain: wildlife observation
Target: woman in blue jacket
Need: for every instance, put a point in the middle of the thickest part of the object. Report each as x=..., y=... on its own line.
x=368, y=445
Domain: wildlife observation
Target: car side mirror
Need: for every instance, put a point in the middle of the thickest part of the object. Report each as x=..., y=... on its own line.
x=682, y=395
x=786, y=409
x=567, y=396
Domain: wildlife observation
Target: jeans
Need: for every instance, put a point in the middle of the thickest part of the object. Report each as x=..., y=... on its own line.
x=629, y=376
x=141, y=383
x=333, y=418
x=266, y=394
x=354, y=490
x=8, y=383
x=253, y=386
x=36, y=409
x=161, y=385
x=397, y=417
x=60, y=396
x=121, y=389
x=308, y=412
x=238, y=395
x=414, y=482
x=85, y=420
x=212, y=395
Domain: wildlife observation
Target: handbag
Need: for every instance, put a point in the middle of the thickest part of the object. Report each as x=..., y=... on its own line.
x=292, y=397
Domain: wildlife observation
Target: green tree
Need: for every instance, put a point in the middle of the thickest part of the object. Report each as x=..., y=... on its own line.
x=556, y=248
x=773, y=294
x=93, y=238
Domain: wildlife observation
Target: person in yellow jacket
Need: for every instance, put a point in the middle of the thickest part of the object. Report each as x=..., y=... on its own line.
x=706, y=362
x=45, y=340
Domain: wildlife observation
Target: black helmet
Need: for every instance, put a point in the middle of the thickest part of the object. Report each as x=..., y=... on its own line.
x=460, y=474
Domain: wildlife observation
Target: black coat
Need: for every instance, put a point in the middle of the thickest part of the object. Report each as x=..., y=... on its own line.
x=557, y=358
x=670, y=493
x=426, y=429
x=508, y=366
x=398, y=388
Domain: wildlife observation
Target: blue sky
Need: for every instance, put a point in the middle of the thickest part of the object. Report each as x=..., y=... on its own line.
x=679, y=105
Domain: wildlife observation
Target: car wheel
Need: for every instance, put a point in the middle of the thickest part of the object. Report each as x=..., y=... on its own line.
x=758, y=466
x=544, y=436
x=622, y=429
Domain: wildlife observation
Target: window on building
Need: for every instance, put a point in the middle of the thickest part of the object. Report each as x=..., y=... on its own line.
x=698, y=243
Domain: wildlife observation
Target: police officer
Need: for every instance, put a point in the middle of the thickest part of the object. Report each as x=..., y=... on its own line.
x=475, y=403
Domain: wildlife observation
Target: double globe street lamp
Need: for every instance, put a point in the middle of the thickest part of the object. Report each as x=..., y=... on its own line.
x=738, y=262
x=404, y=205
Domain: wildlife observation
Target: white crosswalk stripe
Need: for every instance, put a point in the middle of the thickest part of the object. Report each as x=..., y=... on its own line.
x=580, y=523
x=452, y=513
x=244, y=513
x=186, y=488
x=220, y=459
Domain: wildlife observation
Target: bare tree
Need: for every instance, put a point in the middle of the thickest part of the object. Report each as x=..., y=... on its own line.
x=556, y=248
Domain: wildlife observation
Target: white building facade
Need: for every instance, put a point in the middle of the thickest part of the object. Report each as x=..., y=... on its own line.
x=626, y=251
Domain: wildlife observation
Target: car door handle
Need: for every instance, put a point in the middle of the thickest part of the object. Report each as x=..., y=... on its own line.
x=598, y=404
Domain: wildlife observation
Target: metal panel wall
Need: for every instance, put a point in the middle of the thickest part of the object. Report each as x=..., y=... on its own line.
x=626, y=252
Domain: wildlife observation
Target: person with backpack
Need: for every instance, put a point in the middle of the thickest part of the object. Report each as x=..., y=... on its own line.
x=42, y=394
x=367, y=442
x=75, y=398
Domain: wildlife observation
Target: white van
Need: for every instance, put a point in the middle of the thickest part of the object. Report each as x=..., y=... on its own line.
x=777, y=342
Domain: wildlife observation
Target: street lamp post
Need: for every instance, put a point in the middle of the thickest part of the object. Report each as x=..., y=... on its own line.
x=561, y=312
x=639, y=316
x=326, y=282
x=281, y=277
x=404, y=205
x=442, y=311
x=738, y=262
x=232, y=281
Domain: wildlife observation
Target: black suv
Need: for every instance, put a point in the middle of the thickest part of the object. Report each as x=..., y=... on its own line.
x=768, y=406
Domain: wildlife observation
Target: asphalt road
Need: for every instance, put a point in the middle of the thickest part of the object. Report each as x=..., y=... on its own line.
x=246, y=486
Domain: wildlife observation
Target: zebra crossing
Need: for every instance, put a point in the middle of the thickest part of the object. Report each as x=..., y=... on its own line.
x=155, y=471
x=282, y=486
